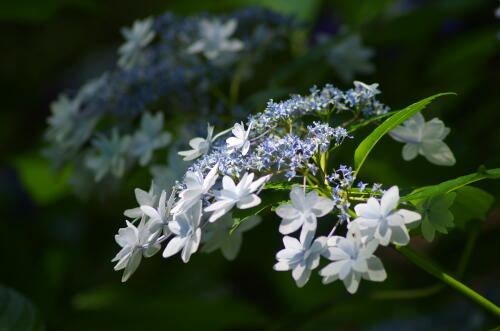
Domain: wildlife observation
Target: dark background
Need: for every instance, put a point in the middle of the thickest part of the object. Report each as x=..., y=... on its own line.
x=55, y=249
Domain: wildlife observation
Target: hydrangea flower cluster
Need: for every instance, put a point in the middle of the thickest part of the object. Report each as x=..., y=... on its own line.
x=167, y=62
x=287, y=142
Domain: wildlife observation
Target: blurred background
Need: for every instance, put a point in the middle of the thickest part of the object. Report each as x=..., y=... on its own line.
x=55, y=248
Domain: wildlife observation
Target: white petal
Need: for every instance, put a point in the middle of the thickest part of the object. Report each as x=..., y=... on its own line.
x=291, y=242
x=174, y=246
x=228, y=183
x=249, y=201
x=370, y=209
x=322, y=206
x=287, y=211
x=376, y=271
x=245, y=148
x=351, y=282
x=233, y=142
x=304, y=277
x=290, y=225
x=389, y=200
x=410, y=151
x=132, y=265
x=151, y=212
x=299, y=271
x=437, y=152
x=335, y=253
x=433, y=129
x=281, y=266
x=404, y=134
x=360, y=265
x=399, y=235
x=409, y=216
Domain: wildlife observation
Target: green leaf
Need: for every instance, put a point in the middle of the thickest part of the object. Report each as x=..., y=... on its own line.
x=436, y=216
x=17, y=312
x=354, y=127
x=452, y=185
x=471, y=203
x=40, y=180
x=398, y=118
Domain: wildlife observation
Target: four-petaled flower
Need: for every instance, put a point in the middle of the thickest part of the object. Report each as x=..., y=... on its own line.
x=186, y=228
x=196, y=187
x=241, y=195
x=380, y=221
x=200, y=146
x=353, y=260
x=215, y=39
x=240, y=139
x=300, y=256
x=303, y=211
x=424, y=138
x=138, y=37
x=136, y=242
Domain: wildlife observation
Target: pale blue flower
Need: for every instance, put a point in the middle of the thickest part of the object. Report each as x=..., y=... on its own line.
x=136, y=242
x=240, y=139
x=215, y=40
x=110, y=155
x=241, y=195
x=149, y=137
x=424, y=138
x=350, y=57
x=300, y=256
x=137, y=38
x=303, y=211
x=200, y=146
x=196, y=187
x=353, y=260
x=186, y=228
x=381, y=222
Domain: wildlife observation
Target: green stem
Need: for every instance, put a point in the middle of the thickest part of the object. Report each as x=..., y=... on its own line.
x=469, y=246
x=424, y=263
x=408, y=294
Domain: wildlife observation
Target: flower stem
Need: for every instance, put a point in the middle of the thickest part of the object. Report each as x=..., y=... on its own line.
x=424, y=263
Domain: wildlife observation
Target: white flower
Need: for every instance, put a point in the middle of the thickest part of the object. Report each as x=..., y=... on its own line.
x=138, y=37
x=424, y=138
x=200, y=146
x=300, y=256
x=215, y=39
x=162, y=214
x=132, y=240
x=240, y=139
x=186, y=227
x=149, y=137
x=380, y=221
x=218, y=235
x=196, y=187
x=241, y=195
x=303, y=211
x=353, y=260
x=372, y=88
x=143, y=199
